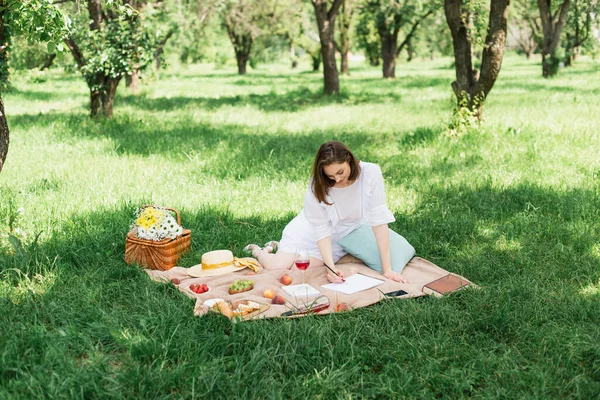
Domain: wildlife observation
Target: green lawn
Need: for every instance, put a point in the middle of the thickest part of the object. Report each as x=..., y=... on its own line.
x=514, y=206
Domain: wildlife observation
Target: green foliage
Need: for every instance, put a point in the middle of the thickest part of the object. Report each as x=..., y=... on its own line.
x=464, y=117
x=582, y=25
x=37, y=21
x=368, y=39
x=123, y=43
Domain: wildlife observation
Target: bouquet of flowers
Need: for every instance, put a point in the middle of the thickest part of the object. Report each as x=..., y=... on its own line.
x=155, y=223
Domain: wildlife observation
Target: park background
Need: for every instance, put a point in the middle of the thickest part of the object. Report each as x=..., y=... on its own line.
x=505, y=193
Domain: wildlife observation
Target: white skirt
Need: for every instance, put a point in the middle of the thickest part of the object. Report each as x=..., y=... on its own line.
x=300, y=234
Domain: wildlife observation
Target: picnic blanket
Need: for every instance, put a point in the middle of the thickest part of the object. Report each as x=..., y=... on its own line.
x=418, y=271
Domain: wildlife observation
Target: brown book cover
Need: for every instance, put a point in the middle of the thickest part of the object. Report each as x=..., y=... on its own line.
x=447, y=284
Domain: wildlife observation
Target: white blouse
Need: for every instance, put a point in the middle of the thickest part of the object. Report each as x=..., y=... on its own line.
x=363, y=202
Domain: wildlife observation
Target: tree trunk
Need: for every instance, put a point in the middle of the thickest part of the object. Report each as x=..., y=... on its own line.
x=242, y=61
x=95, y=103
x=345, y=18
x=4, y=135
x=48, y=62
x=472, y=87
x=552, y=26
x=293, y=57
x=344, y=64
x=389, y=47
x=410, y=50
x=108, y=96
x=326, y=25
x=316, y=62
x=4, y=132
x=132, y=81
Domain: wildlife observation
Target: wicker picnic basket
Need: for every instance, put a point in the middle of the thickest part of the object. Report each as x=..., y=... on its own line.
x=160, y=255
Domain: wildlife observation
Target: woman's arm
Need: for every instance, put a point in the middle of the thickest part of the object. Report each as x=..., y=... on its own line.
x=382, y=236
x=327, y=254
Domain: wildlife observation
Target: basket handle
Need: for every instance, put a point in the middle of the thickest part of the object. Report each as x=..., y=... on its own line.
x=166, y=208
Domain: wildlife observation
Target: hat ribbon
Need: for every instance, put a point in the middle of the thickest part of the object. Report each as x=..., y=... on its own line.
x=252, y=264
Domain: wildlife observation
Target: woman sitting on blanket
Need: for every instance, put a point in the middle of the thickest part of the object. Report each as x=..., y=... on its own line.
x=343, y=194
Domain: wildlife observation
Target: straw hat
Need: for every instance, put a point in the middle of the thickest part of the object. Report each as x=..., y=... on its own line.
x=220, y=262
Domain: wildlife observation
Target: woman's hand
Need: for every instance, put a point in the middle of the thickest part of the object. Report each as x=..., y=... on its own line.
x=395, y=276
x=331, y=277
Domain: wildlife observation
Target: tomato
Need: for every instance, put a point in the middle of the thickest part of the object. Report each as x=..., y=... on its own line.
x=196, y=288
x=199, y=288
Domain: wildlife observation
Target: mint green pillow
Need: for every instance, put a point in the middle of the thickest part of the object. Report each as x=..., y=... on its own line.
x=361, y=244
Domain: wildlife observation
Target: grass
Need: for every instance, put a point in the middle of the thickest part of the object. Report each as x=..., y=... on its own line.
x=513, y=205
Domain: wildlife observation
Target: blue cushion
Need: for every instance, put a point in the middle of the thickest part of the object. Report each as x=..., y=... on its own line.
x=361, y=244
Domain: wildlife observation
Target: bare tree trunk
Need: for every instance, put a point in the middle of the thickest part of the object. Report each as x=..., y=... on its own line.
x=470, y=85
x=4, y=135
x=108, y=96
x=4, y=132
x=132, y=81
x=326, y=24
x=48, y=62
x=95, y=103
x=389, y=47
x=242, y=61
x=410, y=50
x=161, y=47
x=344, y=20
x=293, y=55
x=552, y=26
x=316, y=62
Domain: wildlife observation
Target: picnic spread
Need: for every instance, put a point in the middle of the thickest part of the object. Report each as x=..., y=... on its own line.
x=240, y=289
x=419, y=272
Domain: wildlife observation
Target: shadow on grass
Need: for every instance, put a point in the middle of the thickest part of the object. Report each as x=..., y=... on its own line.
x=220, y=150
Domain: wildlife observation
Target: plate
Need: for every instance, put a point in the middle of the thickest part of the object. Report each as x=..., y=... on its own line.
x=212, y=302
x=241, y=290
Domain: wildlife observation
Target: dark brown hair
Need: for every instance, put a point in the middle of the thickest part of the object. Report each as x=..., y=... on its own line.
x=332, y=152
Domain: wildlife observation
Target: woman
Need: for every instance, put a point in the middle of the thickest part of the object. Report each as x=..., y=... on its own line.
x=343, y=194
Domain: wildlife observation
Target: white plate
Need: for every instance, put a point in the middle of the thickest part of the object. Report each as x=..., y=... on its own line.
x=212, y=302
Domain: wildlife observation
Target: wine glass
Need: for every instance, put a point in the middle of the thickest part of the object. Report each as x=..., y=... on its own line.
x=302, y=261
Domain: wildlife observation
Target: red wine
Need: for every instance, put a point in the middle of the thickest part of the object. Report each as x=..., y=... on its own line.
x=302, y=265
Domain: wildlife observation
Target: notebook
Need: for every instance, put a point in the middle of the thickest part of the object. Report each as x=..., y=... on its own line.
x=445, y=284
x=354, y=284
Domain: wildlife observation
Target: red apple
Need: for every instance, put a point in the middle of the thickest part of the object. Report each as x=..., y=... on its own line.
x=286, y=279
x=278, y=300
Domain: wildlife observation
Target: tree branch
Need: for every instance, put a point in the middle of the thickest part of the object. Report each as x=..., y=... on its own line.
x=332, y=13
x=75, y=51
x=412, y=32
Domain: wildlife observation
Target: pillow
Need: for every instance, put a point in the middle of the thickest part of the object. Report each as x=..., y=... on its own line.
x=361, y=243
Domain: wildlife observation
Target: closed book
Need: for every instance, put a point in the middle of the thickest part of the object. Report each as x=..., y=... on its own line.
x=445, y=284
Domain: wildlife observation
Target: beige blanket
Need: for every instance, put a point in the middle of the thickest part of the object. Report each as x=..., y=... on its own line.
x=419, y=272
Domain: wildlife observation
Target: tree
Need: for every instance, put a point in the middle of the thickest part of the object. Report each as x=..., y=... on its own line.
x=39, y=21
x=343, y=43
x=326, y=11
x=308, y=39
x=390, y=17
x=526, y=26
x=553, y=22
x=110, y=43
x=368, y=41
x=580, y=24
x=244, y=21
x=472, y=87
